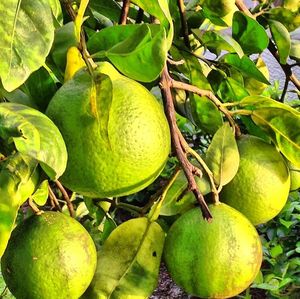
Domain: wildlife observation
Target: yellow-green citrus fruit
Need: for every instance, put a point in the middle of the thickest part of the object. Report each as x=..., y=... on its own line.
x=123, y=148
x=49, y=256
x=256, y=87
x=219, y=8
x=295, y=176
x=261, y=186
x=213, y=260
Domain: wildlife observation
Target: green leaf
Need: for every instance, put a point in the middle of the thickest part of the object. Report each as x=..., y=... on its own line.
x=107, y=8
x=40, y=196
x=282, y=40
x=217, y=42
x=18, y=179
x=41, y=88
x=251, y=36
x=245, y=65
x=290, y=19
x=128, y=263
x=56, y=11
x=276, y=251
x=222, y=156
x=179, y=199
x=280, y=121
x=35, y=135
x=27, y=34
x=130, y=46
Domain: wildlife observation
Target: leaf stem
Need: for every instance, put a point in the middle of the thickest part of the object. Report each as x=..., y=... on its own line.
x=54, y=198
x=66, y=198
x=34, y=207
x=189, y=169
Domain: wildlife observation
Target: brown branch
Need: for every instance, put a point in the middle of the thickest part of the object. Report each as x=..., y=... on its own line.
x=66, y=198
x=34, y=207
x=54, y=198
x=285, y=67
x=184, y=25
x=210, y=96
x=188, y=168
x=124, y=12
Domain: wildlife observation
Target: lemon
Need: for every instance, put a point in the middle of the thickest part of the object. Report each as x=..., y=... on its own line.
x=124, y=150
x=261, y=186
x=219, y=8
x=213, y=260
x=49, y=256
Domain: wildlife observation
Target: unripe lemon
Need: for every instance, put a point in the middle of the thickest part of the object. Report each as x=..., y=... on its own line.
x=261, y=186
x=49, y=256
x=115, y=147
x=219, y=8
x=213, y=260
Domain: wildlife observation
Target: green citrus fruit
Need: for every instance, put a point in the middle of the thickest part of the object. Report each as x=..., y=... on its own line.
x=213, y=260
x=120, y=152
x=219, y=8
x=49, y=256
x=295, y=176
x=261, y=186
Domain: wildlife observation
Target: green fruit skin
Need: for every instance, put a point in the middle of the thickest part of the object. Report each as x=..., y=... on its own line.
x=135, y=149
x=213, y=260
x=295, y=177
x=49, y=256
x=219, y=8
x=261, y=186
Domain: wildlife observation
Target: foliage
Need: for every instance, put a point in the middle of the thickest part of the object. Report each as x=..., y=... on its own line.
x=207, y=60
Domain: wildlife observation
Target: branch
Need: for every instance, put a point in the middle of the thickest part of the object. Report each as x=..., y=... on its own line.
x=124, y=12
x=285, y=67
x=54, y=198
x=66, y=198
x=184, y=26
x=189, y=169
x=210, y=96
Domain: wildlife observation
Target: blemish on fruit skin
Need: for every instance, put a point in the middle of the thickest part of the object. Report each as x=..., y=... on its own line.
x=154, y=254
x=34, y=258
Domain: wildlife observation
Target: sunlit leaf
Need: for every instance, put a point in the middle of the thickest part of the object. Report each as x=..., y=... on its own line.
x=26, y=39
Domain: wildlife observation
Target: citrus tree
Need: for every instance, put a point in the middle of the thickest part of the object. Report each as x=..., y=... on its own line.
x=155, y=126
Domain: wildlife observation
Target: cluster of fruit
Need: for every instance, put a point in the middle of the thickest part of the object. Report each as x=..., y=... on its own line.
x=118, y=145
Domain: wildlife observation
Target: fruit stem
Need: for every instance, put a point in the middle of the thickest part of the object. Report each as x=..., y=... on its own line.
x=211, y=97
x=53, y=198
x=189, y=169
x=124, y=12
x=66, y=198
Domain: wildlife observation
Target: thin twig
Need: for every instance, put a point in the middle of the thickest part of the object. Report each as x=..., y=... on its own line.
x=124, y=12
x=285, y=67
x=184, y=25
x=34, y=207
x=210, y=96
x=284, y=91
x=66, y=198
x=188, y=168
x=54, y=198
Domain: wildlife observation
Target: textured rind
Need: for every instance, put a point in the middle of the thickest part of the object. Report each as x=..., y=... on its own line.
x=138, y=134
x=261, y=186
x=213, y=260
x=49, y=256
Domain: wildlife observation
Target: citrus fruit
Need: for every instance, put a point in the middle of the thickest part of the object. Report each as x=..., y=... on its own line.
x=123, y=149
x=261, y=186
x=295, y=176
x=213, y=260
x=49, y=256
x=219, y=8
